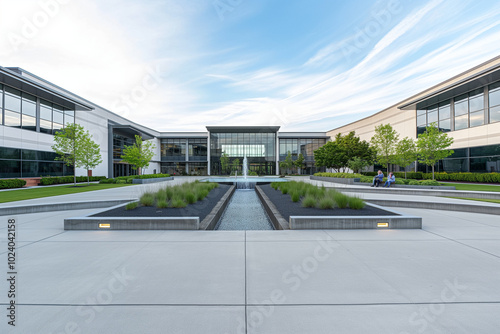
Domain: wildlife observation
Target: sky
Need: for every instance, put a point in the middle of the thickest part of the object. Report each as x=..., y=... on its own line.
x=176, y=65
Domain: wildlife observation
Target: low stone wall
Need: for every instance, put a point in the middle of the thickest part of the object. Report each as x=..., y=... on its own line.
x=153, y=180
x=213, y=217
x=132, y=223
x=353, y=223
x=334, y=179
x=400, y=221
x=277, y=220
x=20, y=210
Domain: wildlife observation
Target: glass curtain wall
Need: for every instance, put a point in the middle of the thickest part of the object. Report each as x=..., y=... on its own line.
x=19, y=110
x=306, y=146
x=182, y=156
x=258, y=147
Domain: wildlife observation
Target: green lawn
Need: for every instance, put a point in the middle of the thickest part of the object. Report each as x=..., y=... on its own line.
x=479, y=199
x=23, y=194
x=473, y=187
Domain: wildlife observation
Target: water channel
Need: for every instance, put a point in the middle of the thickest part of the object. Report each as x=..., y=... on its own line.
x=244, y=211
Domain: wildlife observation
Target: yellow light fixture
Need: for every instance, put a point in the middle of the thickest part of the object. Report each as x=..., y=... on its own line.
x=382, y=224
x=104, y=225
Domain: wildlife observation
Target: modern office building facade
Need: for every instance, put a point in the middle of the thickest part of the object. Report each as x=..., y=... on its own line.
x=32, y=109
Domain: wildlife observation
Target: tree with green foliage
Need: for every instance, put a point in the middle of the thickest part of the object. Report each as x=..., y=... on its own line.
x=76, y=148
x=336, y=154
x=139, y=154
x=406, y=152
x=432, y=146
x=236, y=164
x=90, y=154
x=357, y=164
x=224, y=162
x=384, y=143
x=286, y=164
x=299, y=162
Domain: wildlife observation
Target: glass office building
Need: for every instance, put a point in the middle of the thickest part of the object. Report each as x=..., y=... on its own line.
x=257, y=143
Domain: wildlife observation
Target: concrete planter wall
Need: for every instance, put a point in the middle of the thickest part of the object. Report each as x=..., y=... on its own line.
x=154, y=180
x=334, y=179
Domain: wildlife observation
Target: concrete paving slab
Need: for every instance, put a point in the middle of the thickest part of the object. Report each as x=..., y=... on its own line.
x=383, y=235
x=390, y=319
x=313, y=272
x=287, y=235
x=489, y=246
x=127, y=319
x=163, y=273
x=422, y=270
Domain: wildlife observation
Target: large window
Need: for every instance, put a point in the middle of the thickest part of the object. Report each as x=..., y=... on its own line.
x=481, y=159
x=259, y=147
x=494, y=101
x=19, y=109
x=173, y=149
x=12, y=107
x=30, y=163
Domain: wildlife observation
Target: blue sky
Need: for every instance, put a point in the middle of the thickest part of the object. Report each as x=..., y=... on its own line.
x=303, y=65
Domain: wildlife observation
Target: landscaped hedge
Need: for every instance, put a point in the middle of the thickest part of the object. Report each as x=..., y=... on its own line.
x=339, y=175
x=465, y=177
x=11, y=183
x=409, y=175
x=128, y=179
x=151, y=176
x=369, y=179
x=45, y=181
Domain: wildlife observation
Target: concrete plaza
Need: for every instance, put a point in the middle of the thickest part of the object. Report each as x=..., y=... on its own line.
x=441, y=279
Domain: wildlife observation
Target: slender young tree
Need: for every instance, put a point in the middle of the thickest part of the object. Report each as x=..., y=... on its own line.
x=90, y=154
x=406, y=152
x=287, y=163
x=235, y=164
x=432, y=146
x=299, y=163
x=357, y=164
x=76, y=148
x=139, y=154
x=384, y=143
x=224, y=162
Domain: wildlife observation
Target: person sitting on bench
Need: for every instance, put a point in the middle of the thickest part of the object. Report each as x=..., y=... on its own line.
x=390, y=179
x=377, y=179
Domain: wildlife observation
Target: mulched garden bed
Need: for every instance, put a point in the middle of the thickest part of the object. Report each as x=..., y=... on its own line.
x=287, y=207
x=199, y=209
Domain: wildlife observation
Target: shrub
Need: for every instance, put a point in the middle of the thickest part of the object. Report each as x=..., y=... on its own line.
x=178, y=203
x=295, y=197
x=161, y=196
x=413, y=183
x=202, y=194
x=121, y=182
x=339, y=175
x=326, y=203
x=131, y=206
x=49, y=180
x=147, y=199
x=356, y=203
x=252, y=173
x=428, y=183
x=161, y=204
x=190, y=197
x=309, y=201
x=12, y=183
x=342, y=200
x=465, y=177
x=151, y=176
